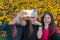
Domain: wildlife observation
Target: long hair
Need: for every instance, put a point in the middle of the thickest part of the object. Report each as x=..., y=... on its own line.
x=51, y=23
x=31, y=27
x=17, y=18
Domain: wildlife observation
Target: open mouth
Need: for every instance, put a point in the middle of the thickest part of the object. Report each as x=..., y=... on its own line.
x=32, y=17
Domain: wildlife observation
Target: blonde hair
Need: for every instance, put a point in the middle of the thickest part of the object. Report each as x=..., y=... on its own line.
x=17, y=18
x=15, y=15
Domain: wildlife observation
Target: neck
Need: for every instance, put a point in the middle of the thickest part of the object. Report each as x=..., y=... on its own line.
x=46, y=26
x=33, y=21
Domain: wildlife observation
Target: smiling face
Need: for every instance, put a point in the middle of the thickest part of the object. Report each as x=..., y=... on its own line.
x=47, y=19
x=34, y=15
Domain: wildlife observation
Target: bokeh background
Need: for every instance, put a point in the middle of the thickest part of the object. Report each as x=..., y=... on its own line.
x=10, y=7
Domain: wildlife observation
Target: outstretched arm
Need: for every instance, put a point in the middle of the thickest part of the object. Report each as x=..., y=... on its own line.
x=5, y=26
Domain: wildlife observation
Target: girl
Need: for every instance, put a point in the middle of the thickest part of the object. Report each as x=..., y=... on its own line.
x=49, y=28
x=14, y=28
x=32, y=27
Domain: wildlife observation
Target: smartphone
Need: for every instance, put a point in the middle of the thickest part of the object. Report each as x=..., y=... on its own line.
x=29, y=12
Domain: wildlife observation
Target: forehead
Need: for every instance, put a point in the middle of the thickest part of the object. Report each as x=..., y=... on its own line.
x=46, y=15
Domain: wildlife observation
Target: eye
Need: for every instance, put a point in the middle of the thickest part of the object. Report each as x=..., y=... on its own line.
x=48, y=17
x=34, y=10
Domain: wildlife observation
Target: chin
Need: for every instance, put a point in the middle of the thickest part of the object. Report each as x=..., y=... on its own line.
x=48, y=23
x=32, y=20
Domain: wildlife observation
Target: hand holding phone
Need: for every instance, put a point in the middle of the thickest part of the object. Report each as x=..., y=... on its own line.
x=28, y=12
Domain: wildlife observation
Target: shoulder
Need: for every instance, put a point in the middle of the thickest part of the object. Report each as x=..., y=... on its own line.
x=56, y=28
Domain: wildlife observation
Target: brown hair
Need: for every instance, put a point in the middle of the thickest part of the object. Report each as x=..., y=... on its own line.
x=31, y=27
x=51, y=24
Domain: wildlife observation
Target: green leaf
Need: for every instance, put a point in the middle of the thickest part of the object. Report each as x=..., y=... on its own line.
x=1, y=14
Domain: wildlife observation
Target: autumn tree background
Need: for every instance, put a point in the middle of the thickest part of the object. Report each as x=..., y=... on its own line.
x=10, y=7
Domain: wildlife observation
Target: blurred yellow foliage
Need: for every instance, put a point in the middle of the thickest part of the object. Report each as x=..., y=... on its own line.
x=8, y=7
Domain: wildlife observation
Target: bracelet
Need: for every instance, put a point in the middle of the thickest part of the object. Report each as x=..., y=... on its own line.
x=40, y=25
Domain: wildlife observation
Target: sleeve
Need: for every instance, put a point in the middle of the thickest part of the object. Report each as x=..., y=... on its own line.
x=56, y=29
x=4, y=26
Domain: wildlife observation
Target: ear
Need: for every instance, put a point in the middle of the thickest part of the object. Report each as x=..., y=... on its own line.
x=38, y=18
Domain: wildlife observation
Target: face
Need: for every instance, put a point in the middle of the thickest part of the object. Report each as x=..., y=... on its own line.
x=34, y=16
x=47, y=19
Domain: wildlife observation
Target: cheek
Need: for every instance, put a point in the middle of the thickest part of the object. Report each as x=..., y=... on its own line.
x=44, y=20
x=47, y=20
